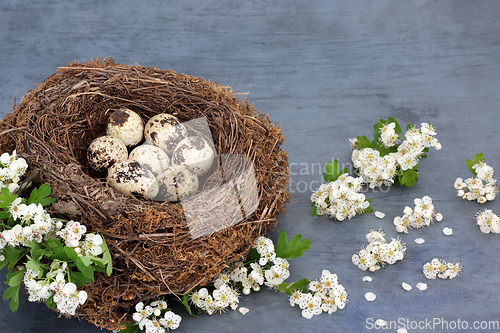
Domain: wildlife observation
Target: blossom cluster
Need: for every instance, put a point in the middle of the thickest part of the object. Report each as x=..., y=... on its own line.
x=488, y=221
x=480, y=188
x=422, y=215
x=378, y=169
x=379, y=253
x=65, y=294
x=340, y=199
x=245, y=277
x=441, y=269
x=325, y=295
x=34, y=225
x=156, y=317
x=12, y=168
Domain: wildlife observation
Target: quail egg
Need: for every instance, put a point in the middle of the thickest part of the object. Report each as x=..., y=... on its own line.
x=126, y=125
x=164, y=131
x=152, y=157
x=104, y=151
x=194, y=152
x=129, y=177
x=176, y=182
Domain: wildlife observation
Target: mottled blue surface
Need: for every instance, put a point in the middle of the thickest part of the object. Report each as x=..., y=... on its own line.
x=325, y=71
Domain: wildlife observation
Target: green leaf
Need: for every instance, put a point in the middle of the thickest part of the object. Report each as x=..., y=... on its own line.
x=363, y=142
x=300, y=285
x=50, y=302
x=313, y=211
x=408, y=177
x=469, y=164
x=254, y=254
x=185, y=301
x=332, y=171
x=41, y=195
x=384, y=150
x=106, y=256
x=36, y=266
x=88, y=271
x=14, y=281
x=12, y=256
x=368, y=210
x=478, y=158
x=6, y=198
x=131, y=327
x=78, y=278
x=293, y=249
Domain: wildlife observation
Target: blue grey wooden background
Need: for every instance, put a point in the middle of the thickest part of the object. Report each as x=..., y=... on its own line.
x=325, y=71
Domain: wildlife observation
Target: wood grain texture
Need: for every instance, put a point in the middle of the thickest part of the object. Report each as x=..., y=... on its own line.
x=325, y=71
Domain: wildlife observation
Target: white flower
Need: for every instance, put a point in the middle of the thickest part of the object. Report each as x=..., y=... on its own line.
x=340, y=296
x=296, y=297
x=142, y=313
x=154, y=326
x=310, y=305
x=171, y=320
x=257, y=273
x=328, y=279
x=429, y=271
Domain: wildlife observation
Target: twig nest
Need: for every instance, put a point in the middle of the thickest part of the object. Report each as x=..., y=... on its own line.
x=125, y=125
x=129, y=177
x=152, y=157
x=152, y=244
x=194, y=152
x=176, y=182
x=104, y=151
x=165, y=131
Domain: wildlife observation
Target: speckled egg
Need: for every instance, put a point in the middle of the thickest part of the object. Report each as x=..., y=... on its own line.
x=194, y=152
x=152, y=157
x=126, y=125
x=104, y=151
x=176, y=182
x=129, y=177
x=164, y=131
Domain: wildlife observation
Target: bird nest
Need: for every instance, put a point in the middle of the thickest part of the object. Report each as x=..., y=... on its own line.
x=155, y=250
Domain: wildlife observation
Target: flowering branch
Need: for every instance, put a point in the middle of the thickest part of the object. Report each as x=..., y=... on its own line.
x=391, y=157
x=480, y=187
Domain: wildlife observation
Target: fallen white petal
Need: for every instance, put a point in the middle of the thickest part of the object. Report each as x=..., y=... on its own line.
x=406, y=286
x=243, y=310
x=419, y=240
x=421, y=286
x=448, y=231
x=380, y=215
x=381, y=323
x=402, y=330
x=370, y=296
x=367, y=278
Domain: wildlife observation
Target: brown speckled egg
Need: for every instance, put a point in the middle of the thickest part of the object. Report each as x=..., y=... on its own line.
x=176, y=182
x=152, y=157
x=104, y=151
x=194, y=152
x=129, y=177
x=126, y=125
x=164, y=131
